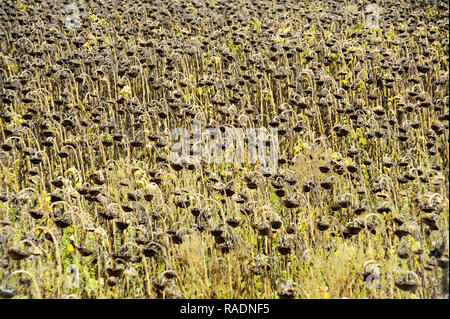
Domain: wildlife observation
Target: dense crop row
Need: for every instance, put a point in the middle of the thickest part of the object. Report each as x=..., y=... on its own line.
x=93, y=205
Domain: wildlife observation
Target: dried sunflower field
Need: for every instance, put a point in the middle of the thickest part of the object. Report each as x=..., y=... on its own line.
x=97, y=202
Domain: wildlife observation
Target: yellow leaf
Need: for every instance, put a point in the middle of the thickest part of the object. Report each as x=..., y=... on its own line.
x=71, y=230
x=71, y=248
x=362, y=141
x=126, y=90
x=335, y=156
